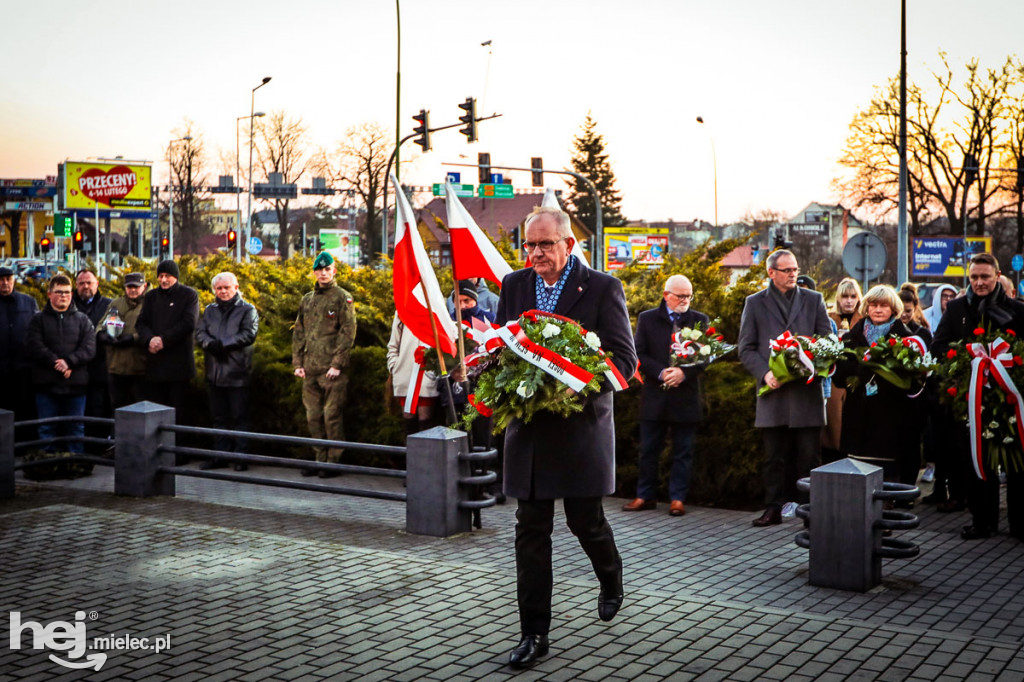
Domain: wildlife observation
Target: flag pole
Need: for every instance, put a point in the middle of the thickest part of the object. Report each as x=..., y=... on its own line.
x=440, y=356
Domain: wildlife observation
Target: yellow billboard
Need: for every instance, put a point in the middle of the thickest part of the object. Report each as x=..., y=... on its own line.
x=111, y=186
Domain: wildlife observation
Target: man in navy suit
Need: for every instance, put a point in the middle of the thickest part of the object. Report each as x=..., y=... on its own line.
x=671, y=396
x=572, y=458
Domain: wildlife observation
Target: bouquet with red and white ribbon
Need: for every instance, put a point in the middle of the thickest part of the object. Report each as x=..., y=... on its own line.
x=902, y=361
x=529, y=365
x=981, y=378
x=804, y=358
x=692, y=346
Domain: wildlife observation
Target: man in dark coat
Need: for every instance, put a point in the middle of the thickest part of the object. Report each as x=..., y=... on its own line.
x=165, y=328
x=16, y=311
x=986, y=305
x=671, y=396
x=553, y=457
x=791, y=415
x=88, y=300
x=61, y=342
x=226, y=334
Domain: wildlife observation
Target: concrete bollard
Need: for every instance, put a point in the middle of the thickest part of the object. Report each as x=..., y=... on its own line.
x=844, y=541
x=6, y=454
x=433, y=470
x=136, y=460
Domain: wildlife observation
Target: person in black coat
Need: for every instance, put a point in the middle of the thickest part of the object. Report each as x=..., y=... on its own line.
x=573, y=457
x=986, y=305
x=88, y=300
x=226, y=334
x=16, y=311
x=671, y=396
x=61, y=341
x=165, y=328
x=882, y=423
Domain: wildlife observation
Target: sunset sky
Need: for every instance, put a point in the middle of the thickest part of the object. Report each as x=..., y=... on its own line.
x=777, y=82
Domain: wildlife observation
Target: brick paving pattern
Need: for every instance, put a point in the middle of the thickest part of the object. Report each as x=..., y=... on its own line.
x=257, y=583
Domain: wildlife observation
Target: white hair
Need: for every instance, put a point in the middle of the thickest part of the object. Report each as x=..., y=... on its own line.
x=229, y=276
x=561, y=218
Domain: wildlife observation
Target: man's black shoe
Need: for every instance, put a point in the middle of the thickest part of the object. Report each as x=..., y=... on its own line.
x=975, y=533
x=241, y=466
x=608, y=605
x=328, y=474
x=529, y=650
x=308, y=472
x=212, y=464
x=772, y=516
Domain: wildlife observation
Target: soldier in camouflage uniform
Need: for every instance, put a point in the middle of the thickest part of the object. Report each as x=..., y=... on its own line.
x=324, y=332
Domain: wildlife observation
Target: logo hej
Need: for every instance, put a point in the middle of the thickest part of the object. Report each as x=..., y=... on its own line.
x=58, y=635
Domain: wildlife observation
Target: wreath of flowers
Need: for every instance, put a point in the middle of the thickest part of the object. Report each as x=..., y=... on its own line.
x=698, y=345
x=802, y=357
x=979, y=378
x=509, y=387
x=902, y=361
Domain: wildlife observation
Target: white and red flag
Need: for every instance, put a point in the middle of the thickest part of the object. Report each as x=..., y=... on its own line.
x=473, y=254
x=551, y=201
x=414, y=278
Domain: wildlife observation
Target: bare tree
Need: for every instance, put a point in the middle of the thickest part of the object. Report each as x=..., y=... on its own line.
x=281, y=146
x=189, y=179
x=360, y=162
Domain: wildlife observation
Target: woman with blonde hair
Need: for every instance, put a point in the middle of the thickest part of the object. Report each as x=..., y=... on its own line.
x=847, y=311
x=845, y=315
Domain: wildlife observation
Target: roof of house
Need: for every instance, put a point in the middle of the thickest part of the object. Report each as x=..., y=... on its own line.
x=740, y=257
x=489, y=214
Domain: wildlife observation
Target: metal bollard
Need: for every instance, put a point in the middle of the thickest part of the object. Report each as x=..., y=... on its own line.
x=846, y=520
x=6, y=454
x=136, y=460
x=433, y=469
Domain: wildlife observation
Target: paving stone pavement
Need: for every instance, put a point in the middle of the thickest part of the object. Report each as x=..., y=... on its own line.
x=258, y=583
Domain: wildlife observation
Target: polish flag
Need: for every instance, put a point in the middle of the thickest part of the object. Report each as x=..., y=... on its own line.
x=473, y=254
x=551, y=201
x=413, y=274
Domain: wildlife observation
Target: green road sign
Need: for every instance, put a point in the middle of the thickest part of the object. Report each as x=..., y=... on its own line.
x=495, y=191
x=460, y=190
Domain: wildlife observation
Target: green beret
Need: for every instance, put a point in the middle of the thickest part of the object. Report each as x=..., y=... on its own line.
x=324, y=260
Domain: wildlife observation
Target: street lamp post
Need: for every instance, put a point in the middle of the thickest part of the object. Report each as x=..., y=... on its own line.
x=170, y=202
x=238, y=179
x=714, y=166
x=252, y=114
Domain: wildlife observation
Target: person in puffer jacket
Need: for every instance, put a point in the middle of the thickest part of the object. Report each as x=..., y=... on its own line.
x=60, y=343
x=226, y=333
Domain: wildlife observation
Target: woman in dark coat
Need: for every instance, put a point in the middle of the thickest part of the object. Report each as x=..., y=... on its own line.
x=880, y=421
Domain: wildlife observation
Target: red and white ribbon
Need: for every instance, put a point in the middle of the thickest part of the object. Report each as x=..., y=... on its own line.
x=412, y=391
x=787, y=340
x=989, y=362
x=558, y=366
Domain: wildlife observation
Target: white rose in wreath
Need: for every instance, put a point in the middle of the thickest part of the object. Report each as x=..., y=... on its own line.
x=549, y=330
x=592, y=340
x=705, y=350
x=523, y=391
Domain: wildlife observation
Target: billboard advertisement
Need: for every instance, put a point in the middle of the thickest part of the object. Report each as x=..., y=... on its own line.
x=342, y=244
x=110, y=186
x=647, y=245
x=945, y=256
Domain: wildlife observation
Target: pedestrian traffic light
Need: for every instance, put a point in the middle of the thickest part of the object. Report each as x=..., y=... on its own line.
x=423, y=129
x=469, y=118
x=77, y=241
x=537, y=163
x=165, y=243
x=44, y=244
x=483, y=160
x=232, y=239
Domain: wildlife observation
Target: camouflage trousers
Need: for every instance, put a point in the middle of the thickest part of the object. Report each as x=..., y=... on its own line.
x=324, y=400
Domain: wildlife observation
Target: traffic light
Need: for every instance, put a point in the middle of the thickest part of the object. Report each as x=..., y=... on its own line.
x=165, y=244
x=537, y=163
x=970, y=169
x=423, y=129
x=483, y=160
x=77, y=241
x=1020, y=173
x=232, y=239
x=44, y=244
x=469, y=118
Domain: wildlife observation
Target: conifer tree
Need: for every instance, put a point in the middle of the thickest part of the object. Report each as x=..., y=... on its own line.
x=590, y=160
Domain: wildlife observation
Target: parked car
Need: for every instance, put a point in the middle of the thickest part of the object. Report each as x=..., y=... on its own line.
x=40, y=272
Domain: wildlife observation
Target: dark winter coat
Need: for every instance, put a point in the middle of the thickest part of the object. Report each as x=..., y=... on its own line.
x=886, y=425
x=54, y=336
x=226, y=334
x=556, y=457
x=681, y=404
x=16, y=311
x=962, y=317
x=125, y=355
x=172, y=315
x=95, y=310
x=794, y=404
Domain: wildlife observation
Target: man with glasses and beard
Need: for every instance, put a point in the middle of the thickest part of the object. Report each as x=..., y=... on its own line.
x=671, y=397
x=791, y=415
